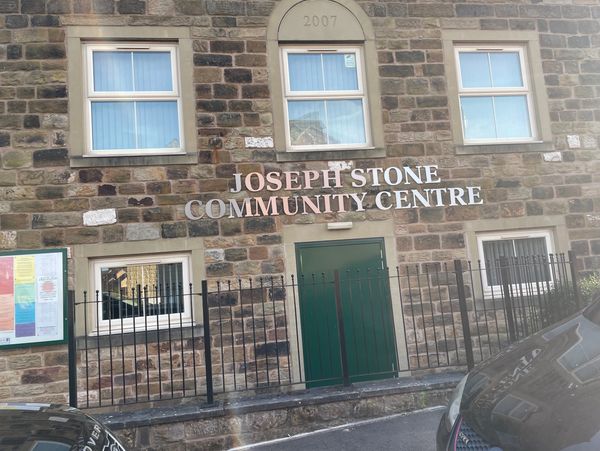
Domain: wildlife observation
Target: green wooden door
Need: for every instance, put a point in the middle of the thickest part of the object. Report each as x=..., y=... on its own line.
x=367, y=313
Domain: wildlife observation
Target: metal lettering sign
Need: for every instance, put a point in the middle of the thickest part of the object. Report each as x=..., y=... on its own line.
x=292, y=202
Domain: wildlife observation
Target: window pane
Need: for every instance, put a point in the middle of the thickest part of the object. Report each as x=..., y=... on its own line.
x=512, y=117
x=534, y=247
x=307, y=122
x=113, y=125
x=152, y=71
x=306, y=71
x=478, y=117
x=474, y=70
x=506, y=69
x=345, y=122
x=340, y=72
x=138, y=290
x=322, y=72
x=158, y=125
x=112, y=71
x=492, y=251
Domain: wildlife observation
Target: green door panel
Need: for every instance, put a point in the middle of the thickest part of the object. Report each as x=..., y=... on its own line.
x=367, y=314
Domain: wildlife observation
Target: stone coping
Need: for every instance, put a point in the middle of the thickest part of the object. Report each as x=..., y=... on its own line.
x=196, y=410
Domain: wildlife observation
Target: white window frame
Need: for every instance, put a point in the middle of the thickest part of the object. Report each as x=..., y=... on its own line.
x=92, y=95
x=496, y=290
x=103, y=327
x=501, y=91
x=358, y=94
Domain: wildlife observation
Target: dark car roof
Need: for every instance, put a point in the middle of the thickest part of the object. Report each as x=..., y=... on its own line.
x=542, y=393
x=33, y=426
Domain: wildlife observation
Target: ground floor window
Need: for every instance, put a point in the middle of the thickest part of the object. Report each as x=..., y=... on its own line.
x=139, y=292
x=526, y=249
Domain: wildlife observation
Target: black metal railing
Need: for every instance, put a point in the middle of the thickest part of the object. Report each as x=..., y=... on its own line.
x=257, y=334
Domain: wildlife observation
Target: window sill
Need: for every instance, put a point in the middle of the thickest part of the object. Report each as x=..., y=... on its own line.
x=319, y=155
x=138, y=160
x=474, y=149
x=104, y=340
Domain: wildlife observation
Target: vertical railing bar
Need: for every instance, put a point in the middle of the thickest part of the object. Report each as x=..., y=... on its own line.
x=403, y=321
x=505, y=278
x=540, y=299
x=462, y=303
x=470, y=270
x=437, y=351
x=180, y=295
x=168, y=296
x=423, y=315
x=554, y=280
x=275, y=327
x=85, y=331
x=294, y=287
x=72, y=348
x=439, y=287
x=264, y=321
x=494, y=307
x=253, y=330
x=240, y=296
x=232, y=339
x=221, y=343
x=341, y=329
x=368, y=282
x=110, y=351
x=350, y=304
x=447, y=272
x=533, y=311
x=207, y=344
x=387, y=285
x=362, y=314
x=412, y=314
x=565, y=282
x=139, y=300
x=573, y=269
x=146, y=341
x=191, y=291
x=285, y=322
x=121, y=333
x=98, y=348
x=157, y=300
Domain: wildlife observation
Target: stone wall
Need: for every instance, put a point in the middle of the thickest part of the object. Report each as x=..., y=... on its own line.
x=43, y=198
x=249, y=421
x=36, y=374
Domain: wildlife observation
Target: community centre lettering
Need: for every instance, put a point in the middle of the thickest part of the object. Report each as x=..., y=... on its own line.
x=294, y=183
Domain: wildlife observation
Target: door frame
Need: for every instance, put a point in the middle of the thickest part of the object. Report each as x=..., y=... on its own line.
x=305, y=233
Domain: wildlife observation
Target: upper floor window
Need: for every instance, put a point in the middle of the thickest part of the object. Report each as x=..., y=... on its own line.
x=495, y=95
x=132, y=99
x=325, y=99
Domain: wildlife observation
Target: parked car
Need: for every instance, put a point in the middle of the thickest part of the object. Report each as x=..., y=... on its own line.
x=51, y=427
x=542, y=393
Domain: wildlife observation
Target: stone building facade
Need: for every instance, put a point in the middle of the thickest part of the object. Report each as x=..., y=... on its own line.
x=415, y=92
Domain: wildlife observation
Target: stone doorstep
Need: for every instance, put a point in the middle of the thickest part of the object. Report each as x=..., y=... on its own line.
x=196, y=411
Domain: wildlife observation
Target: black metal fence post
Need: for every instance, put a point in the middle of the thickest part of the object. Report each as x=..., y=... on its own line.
x=72, y=349
x=574, y=278
x=342, y=332
x=207, y=351
x=508, y=304
x=464, y=314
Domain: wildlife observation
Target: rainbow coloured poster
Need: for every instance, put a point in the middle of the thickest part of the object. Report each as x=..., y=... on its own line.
x=32, y=297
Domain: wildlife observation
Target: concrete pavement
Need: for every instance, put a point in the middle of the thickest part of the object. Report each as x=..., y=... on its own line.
x=413, y=431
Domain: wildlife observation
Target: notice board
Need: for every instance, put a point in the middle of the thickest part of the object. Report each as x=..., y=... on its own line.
x=33, y=297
